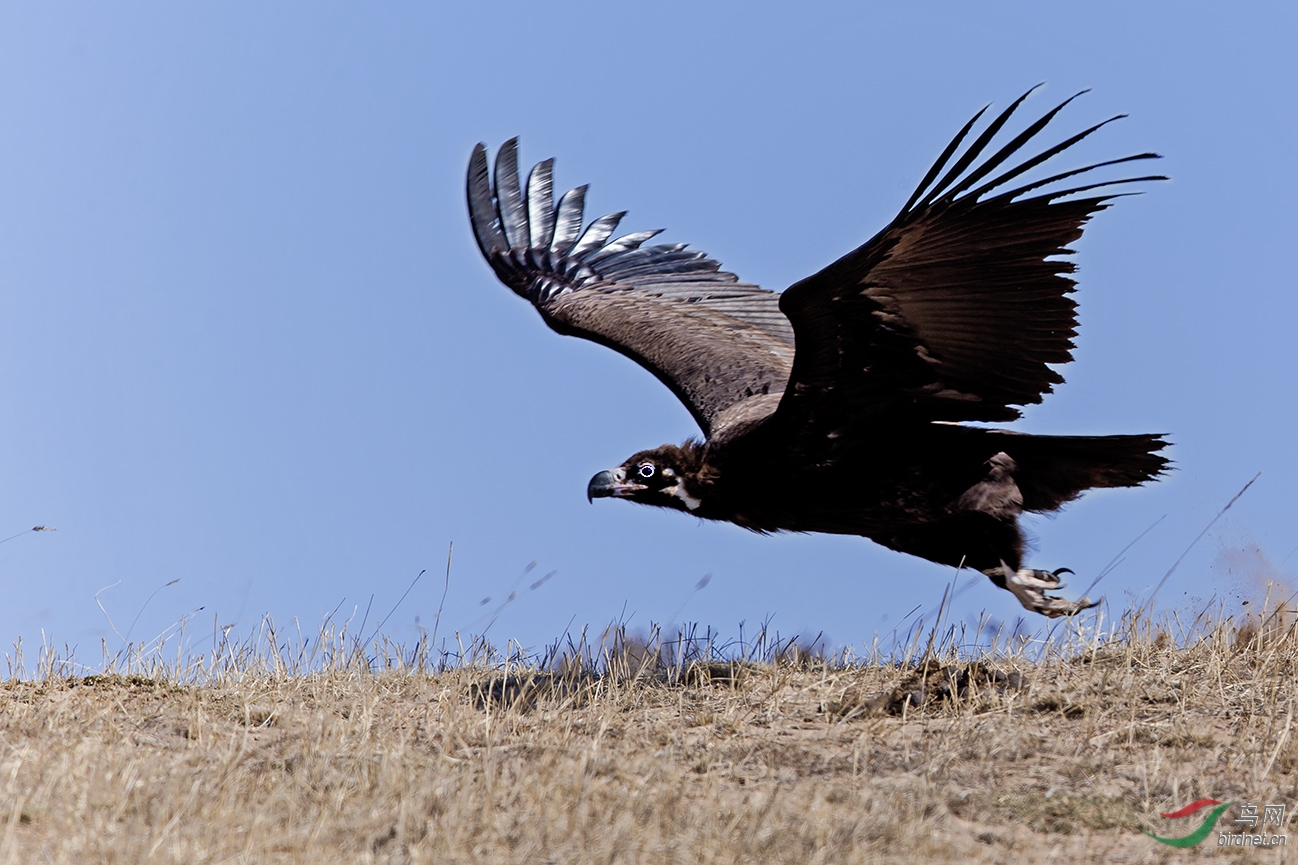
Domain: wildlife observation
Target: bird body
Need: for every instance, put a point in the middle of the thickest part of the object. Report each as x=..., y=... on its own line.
x=839, y=405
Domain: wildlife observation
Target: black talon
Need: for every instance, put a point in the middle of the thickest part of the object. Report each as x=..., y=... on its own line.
x=1059, y=571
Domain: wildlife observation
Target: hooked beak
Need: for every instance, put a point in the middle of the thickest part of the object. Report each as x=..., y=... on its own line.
x=611, y=483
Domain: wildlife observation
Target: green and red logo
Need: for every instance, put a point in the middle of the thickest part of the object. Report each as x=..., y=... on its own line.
x=1205, y=828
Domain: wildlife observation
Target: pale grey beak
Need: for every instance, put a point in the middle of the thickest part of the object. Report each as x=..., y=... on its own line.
x=611, y=483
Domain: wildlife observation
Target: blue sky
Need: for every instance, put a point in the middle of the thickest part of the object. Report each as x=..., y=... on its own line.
x=247, y=342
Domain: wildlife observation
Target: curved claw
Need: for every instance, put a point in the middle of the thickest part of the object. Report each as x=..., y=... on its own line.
x=1058, y=571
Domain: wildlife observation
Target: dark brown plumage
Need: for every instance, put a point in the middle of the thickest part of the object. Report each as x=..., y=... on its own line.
x=836, y=405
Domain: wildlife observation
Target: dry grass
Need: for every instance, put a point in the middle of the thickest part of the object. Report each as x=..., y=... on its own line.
x=1056, y=753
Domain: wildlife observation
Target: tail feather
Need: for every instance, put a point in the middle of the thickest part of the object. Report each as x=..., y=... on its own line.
x=1053, y=470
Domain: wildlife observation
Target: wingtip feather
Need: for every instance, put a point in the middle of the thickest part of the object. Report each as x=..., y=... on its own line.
x=509, y=195
x=482, y=206
x=567, y=220
x=540, y=204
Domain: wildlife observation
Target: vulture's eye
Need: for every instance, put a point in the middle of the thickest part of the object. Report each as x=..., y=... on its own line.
x=646, y=471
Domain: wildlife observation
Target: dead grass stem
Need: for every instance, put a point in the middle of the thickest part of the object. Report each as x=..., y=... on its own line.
x=958, y=742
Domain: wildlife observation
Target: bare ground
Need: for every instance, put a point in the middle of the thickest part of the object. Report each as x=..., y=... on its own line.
x=1065, y=758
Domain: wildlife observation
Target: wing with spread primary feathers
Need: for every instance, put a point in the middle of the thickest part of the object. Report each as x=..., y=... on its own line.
x=715, y=341
x=954, y=311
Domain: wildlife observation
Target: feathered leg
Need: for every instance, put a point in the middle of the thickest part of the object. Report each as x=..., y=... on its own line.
x=997, y=496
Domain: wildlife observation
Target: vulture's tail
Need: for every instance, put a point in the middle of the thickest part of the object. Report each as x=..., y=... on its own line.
x=1053, y=470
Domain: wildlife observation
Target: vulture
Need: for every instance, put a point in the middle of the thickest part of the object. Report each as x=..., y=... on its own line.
x=843, y=404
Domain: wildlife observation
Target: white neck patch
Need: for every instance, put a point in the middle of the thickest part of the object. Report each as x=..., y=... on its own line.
x=679, y=492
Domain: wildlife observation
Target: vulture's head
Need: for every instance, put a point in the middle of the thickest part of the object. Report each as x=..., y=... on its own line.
x=665, y=476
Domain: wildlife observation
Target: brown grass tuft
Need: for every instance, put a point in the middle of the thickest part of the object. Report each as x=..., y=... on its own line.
x=277, y=752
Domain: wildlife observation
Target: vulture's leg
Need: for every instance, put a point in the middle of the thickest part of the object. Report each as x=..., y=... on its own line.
x=1030, y=586
x=998, y=496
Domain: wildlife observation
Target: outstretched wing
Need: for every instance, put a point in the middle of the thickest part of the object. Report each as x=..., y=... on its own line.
x=715, y=341
x=954, y=311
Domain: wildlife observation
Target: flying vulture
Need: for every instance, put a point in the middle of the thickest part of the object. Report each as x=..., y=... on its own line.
x=839, y=405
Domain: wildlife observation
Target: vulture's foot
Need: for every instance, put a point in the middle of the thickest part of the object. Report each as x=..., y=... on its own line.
x=1030, y=587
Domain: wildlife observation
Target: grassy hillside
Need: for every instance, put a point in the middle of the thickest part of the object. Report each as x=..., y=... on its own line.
x=1057, y=753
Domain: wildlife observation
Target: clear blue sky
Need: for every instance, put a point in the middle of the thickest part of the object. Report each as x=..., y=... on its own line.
x=247, y=342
